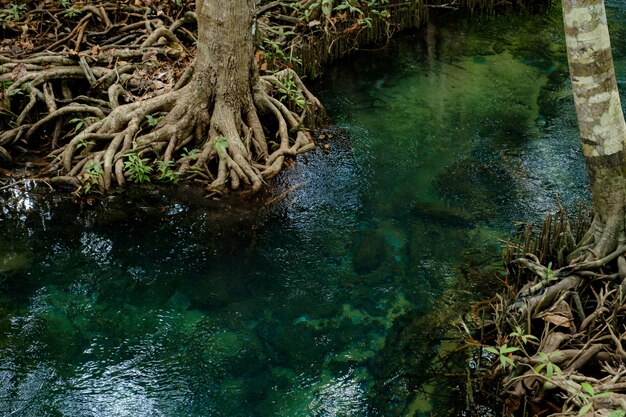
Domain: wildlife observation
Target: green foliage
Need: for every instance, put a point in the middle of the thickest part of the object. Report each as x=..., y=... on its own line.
x=94, y=172
x=80, y=123
x=325, y=5
x=153, y=121
x=166, y=173
x=273, y=52
x=546, y=363
x=550, y=275
x=12, y=13
x=518, y=333
x=137, y=168
x=20, y=90
x=190, y=154
x=220, y=145
x=588, y=394
x=84, y=143
x=290, y=92
x=617, y=413
x=503, y=354
x=72, y=12
x=360, y=9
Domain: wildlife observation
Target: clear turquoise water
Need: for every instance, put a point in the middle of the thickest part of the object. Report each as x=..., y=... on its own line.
x=327, y=302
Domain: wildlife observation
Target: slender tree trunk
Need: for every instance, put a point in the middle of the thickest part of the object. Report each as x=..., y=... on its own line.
x=600, y=117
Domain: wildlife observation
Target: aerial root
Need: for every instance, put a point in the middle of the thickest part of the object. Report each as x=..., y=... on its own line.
x=232, y=149
x=564, y=329
x=119, y=106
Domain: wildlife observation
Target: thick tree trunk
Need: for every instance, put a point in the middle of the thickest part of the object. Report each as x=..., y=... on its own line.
x=226, y=76
x=600, y=117
x=217, y=111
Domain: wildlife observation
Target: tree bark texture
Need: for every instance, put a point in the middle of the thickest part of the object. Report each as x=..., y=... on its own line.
x=217, y=111
x=600, y=117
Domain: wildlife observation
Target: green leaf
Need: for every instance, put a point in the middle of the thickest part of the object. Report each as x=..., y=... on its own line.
x=220, y=145
x=587, y=387
x=503, y=361
x=507, y=360
x=585, y=409
x=603, y=395
x=492, y=350
x=617, y=413
x=506, y=349
x=527, y=337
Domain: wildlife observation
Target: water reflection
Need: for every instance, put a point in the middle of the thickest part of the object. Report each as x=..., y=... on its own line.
x=327, y=300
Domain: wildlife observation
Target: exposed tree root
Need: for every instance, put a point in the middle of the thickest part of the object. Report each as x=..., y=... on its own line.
x=230, y=143
x=115, y=102
x=564, y=328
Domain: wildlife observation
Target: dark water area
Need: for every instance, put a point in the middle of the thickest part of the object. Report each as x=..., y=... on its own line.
x=325, y=302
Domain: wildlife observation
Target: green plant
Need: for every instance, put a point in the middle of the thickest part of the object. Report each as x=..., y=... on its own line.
x=546, y=362
x=519, y=334
x=290, y=92
x=365, y=21
x=20, y=90
x=220, y=145
x=190, y=154
x=588, y=395
x=503, y=354
x=94, y=172
x=351, y=5
x=80, y=122
x=137, y=168
x=72, y=12
x=13, y=13
x=84, y=143
x=153, y=121
x=550, y=275
x=617, y=413
x=166, y=173
x=325, y=5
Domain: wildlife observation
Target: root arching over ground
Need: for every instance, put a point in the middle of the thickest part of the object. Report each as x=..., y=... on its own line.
x=133, y=93
x=557, y=333
x=225, y=133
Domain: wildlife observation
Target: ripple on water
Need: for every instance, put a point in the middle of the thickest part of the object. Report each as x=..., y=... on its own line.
x=323, y=303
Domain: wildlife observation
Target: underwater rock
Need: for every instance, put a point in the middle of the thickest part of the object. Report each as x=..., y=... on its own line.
x=370, y=253
x=440, y=214
x=14, y=261
x=386, y=244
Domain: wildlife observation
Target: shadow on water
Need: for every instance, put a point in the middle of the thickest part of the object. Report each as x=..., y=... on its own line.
x=330, y=300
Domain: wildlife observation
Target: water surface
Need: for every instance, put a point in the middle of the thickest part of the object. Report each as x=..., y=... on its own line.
x=325, y=302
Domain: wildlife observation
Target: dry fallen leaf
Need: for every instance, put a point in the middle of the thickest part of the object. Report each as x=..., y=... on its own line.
x=558, y=320
x=18, y=72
